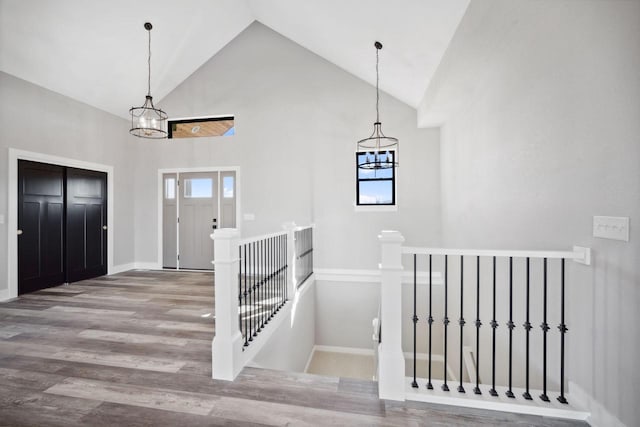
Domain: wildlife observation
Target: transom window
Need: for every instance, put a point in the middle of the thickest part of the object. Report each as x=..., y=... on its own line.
x=375, y=187
x=207, y=126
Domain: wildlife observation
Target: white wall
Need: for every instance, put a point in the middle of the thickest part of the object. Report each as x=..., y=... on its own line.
x=290, y=346
x=297, y=120
x=543, y=107
x=35, y=119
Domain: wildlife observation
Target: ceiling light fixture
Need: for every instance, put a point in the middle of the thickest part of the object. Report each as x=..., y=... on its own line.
x=382, y=151
x=148, y=121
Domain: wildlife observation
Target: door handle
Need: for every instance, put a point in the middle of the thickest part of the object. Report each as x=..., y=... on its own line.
x=104, y=227
x=19, y=232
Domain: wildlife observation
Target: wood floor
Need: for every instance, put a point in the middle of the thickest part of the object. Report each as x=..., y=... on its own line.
x=134, y=349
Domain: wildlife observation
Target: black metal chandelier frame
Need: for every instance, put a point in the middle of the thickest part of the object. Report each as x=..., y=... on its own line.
x=148, y=121
x=382, y=152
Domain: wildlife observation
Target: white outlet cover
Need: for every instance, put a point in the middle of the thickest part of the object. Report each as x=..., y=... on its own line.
x=249, y=217
x=611, y=227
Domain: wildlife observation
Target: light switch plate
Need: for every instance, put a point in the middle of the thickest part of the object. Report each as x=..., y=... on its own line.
x=1, y=219
x=249, y=217
x=611, y=227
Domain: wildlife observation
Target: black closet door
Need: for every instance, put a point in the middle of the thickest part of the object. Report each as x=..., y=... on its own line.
x=41, y=224
x=86, y=224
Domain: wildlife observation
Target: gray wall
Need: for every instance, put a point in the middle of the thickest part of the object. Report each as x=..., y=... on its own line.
x=35, y=119
x=543, y=135
x=297, y=120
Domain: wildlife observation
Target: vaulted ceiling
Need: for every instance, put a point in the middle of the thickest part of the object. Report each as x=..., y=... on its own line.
x=96, y=51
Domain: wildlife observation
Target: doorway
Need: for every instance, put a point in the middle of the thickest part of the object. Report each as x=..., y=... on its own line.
x=62, y=225
x=194, y=203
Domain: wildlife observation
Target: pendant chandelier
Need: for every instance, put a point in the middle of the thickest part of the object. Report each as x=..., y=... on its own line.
x=148, y=121
x=382, y=151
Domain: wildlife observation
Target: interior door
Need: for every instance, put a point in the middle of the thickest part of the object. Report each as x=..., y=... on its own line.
x=40, y=226
x=86, y=224
x=198, y=207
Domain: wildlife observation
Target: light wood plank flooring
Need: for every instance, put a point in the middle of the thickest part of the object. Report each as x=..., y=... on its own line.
x=134, y=349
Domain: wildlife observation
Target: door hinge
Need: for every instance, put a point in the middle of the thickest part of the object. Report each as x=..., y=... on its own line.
x=178, y=257
x=178, y=220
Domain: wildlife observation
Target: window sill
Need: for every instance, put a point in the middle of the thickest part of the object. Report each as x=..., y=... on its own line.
x=373, y=208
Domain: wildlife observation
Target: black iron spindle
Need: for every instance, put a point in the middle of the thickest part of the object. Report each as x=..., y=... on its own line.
x=545, y=328
x=271, y=273
x=445, y=321
x=430, y=321
x=415, y=319
x=527, y=327
x=252, y=264
x=461, y=320
x=265, y=282
x=510, y=325
x=279, y=258
x=280, y=269
x=246, y=305
x=261, y=283
x=478, y=323
x=563, y=330
x=494, y=325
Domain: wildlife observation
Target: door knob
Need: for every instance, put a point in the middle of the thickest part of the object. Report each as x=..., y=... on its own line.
x=104, y=227
x=19, y=232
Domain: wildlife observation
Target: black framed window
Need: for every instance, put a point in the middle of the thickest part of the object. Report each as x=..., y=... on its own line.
x=375, y=187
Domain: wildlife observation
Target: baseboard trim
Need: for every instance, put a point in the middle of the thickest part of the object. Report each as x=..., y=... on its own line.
x=485, y=401
x=372, y=276
x=345, y=350
x=599, y=416
x=306, y=366
x=147, y=266
x=122, y=267
x=4, y=295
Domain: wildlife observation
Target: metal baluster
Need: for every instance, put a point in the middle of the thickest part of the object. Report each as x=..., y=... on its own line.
x=260, y=285
x=445, y=321
x=270, y=276
x=461, y=320
x=527, y=327
x=545, y=328
x=430, y=321
x=478, y=323
x=510, y=325
x=279, y=257
x=286, y=266
x=563, y=330
x=265, y=280
x=494, y=325
x=283, y=264
x=252, y=264
x=246, y=305
x=415, y=319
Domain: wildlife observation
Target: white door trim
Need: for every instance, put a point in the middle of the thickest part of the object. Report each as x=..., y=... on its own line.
x=12, y=237
x=161, y=172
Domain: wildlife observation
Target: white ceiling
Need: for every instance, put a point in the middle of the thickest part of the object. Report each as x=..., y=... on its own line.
x=96, y=51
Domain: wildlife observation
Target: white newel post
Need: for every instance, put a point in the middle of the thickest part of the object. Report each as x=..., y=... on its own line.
x=391, y=381
x=227, y=343
x=290, y=228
